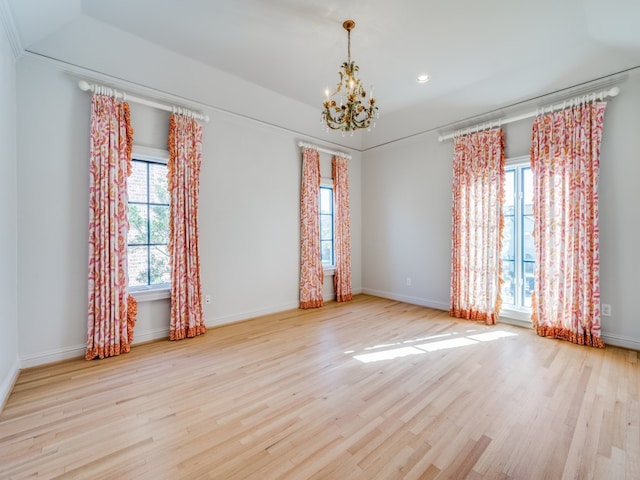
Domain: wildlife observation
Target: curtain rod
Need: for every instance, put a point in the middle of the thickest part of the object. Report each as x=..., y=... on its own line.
x=591, y=97
x=325, y=150
x=102, y=90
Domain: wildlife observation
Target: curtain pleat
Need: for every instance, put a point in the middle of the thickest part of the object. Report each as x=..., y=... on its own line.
x=185, y=143
x=477, y=223
x=565, y=161
x=111, y=311
x=342, y=230
x=311, y=270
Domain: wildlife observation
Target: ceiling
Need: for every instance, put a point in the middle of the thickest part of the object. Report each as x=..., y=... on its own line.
x=481, y=55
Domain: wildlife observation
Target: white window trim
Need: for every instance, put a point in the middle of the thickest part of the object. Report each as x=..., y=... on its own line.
x=151, y=154
x=517, y=316
x=521, y=316
x=147, y=293
x=516, y=160
x=328, y=182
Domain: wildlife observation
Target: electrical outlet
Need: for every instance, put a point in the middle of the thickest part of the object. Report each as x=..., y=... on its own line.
x=207, y=299
x=408, y=281
x=605, y=310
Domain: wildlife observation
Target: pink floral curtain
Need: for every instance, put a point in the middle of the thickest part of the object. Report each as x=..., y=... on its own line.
x=478, y=188
x=185, y=142
x=565, y=160
x=342, y=230
x=111, y=312
x=311, y=270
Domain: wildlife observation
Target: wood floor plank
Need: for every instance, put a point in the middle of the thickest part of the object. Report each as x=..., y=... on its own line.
x=370, y=389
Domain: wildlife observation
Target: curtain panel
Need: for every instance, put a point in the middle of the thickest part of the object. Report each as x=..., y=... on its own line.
x=565, y=160
x=477, y=223
x=342, y=230
x=311, y=270
x=111, y=311
x=185, y=144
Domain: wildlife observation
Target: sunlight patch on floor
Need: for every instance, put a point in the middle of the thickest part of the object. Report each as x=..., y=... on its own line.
x=433, y=346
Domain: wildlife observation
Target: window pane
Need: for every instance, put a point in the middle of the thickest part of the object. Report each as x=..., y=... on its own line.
x=137, y=182
x=137, y=224
x=529, y=283
x=326, y=227
x=326, y=200
x=509, y=192
x=326, y=249
x=160, y=271
x=138, y=271
x=158, y=183
x=508, y=291
x=148, y=224
x=159, y=224
x=509, y=238
x=528, y=246
x=527, y=191
x=518, y=251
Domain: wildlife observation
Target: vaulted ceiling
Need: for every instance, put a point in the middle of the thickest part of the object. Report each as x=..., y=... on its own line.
x=481, y=55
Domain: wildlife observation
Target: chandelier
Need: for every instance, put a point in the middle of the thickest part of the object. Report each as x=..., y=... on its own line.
x=355, y=110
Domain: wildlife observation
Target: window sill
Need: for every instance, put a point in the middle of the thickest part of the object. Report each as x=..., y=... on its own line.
x=150, y=294
x=516, y=317
x=329, y=271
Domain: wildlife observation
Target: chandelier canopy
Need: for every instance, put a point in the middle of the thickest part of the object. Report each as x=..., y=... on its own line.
x=355, y=110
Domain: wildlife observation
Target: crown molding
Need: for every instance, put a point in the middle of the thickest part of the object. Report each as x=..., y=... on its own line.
x=9, y=27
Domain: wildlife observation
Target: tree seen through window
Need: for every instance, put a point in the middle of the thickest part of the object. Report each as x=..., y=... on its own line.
x=148, y=255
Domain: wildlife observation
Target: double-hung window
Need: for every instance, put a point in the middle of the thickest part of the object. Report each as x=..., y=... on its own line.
x=518, y=251
x=326, y=225
x=148, y=255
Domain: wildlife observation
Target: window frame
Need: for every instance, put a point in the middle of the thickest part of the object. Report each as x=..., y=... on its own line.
x=328, y=184
x=518, y=312
x=160, y=291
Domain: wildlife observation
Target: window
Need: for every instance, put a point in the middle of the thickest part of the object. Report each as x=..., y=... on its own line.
x=148, y=254
x=518, y=251
x=326, y=225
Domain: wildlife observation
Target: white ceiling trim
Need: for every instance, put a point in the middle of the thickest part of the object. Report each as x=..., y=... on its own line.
x=518, y=108
x=9, y=27
x=78, y=73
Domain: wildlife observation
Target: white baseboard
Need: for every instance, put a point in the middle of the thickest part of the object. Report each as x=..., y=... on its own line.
x=252, y=314
x=78, y=351
x=8, y=382
x=51, y=356
x=621, y=341
x=217, y=322
x=423, y=302
x=150, y=335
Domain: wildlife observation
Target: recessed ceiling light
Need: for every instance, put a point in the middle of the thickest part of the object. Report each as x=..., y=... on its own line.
x=424, y=78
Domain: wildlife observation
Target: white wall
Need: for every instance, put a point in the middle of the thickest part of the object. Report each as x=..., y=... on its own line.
x=249, y=215
x=620, y=215
x=8, y=221
x=406, y=223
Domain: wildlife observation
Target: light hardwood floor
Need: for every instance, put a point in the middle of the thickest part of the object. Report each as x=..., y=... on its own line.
x=372, y=389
